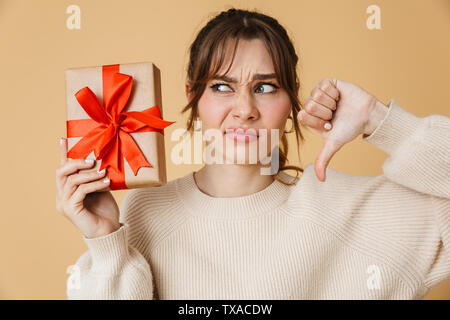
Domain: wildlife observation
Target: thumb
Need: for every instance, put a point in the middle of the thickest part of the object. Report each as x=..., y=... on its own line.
x=320, y=165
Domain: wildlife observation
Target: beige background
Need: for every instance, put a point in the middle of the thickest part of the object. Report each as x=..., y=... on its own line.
x=406, y=60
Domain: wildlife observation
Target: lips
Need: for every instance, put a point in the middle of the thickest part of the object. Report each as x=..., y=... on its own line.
x=242, y=134
x=243, y=131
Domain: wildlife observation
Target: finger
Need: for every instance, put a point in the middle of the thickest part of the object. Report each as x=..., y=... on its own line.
x=71, y=167
x=321, y=163
x=329, y=86
x=314, y=122
x=84, y=189
x=74, y=180
x=322, y=98
x=318, y=110
x=63, y=147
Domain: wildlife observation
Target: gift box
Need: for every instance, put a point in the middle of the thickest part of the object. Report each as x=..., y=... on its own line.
x=114, y=115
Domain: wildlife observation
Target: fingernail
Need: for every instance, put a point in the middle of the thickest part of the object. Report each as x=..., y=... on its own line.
x=327, y=126
x=106, y=180
x=90, y=161
x=61, y=140
x=101, y=172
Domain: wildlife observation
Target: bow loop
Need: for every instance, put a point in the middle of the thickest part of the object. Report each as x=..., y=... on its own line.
x=119, y=96
x=93, y=107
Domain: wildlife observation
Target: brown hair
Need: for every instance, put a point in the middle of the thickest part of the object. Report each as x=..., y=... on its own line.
x=236, y=24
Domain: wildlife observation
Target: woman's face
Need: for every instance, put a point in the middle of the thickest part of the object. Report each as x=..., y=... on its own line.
x=248, y=97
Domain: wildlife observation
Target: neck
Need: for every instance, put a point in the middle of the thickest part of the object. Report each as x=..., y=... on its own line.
x=231, y=180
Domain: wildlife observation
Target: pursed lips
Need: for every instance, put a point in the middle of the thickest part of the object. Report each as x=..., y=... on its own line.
x=243, y=131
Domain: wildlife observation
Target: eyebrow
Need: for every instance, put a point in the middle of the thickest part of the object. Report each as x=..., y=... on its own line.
x=258, y=76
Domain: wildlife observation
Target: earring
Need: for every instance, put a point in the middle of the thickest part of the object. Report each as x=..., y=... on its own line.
x=292, y=125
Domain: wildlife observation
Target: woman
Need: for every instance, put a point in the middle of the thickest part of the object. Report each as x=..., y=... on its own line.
x=229, y=232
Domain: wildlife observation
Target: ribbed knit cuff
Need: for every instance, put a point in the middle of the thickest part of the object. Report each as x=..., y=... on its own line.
x=108, y=252
x=394, y=129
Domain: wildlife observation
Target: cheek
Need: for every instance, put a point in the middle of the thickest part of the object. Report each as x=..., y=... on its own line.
x=211, y=111
x=276, y=114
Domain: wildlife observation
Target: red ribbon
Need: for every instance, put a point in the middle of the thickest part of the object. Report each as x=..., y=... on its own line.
x=107, y=133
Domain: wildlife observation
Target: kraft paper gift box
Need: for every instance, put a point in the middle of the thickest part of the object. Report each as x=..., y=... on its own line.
x=114, y=115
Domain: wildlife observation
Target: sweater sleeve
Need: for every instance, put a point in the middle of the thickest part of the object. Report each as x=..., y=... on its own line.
x=111, y=269
x=419, y=159
x=418, y=150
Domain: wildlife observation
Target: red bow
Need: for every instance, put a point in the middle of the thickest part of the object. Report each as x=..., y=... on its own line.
x=108, y=130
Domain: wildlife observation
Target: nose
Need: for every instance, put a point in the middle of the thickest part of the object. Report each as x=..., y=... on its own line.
x=244, y=108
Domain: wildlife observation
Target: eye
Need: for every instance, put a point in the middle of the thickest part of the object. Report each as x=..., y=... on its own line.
x=216, y=87
x=268, y=87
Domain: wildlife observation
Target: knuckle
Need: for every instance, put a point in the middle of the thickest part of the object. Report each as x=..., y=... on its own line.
x=87, y=188
x=326, y=87
x=70, y=179
x=310, y=107
x=322, y=82
x=303, y=116
x=82, y=188
x=317, y=94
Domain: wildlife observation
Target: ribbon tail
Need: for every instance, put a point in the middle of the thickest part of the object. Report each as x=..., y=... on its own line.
x=132, y=153
x=114, y=163
x=112, y=157
x=117, y=177
x=105, y=142
x=156, y=112
x=150, y=120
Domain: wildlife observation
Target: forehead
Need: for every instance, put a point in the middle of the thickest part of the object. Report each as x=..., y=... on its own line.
x=251, y=57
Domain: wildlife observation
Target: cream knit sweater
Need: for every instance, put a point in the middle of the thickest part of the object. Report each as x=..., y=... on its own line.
x=350, y=237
